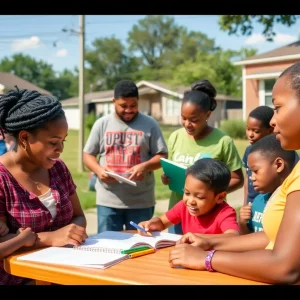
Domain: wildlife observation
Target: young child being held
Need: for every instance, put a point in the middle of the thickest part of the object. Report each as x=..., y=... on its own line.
x=270, y=165
x=258, y=126
x=26, y=237
x=202, y=209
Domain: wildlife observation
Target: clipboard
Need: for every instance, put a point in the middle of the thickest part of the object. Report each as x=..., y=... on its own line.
x=120, y=178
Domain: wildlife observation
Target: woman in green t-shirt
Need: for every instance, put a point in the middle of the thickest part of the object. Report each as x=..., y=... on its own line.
x=197, y=139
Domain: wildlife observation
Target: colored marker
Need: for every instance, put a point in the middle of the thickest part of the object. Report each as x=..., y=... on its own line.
x=140, y=253
x=136, y=249
x=140, y=228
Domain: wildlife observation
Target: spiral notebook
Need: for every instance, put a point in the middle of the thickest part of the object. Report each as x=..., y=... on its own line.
x=102, y=250
x=115, y=241
x=67, y=256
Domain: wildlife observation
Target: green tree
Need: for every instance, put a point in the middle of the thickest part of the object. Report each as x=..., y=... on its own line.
x=190, y=71
x=152, y=38
x=244, y=23
x=189, y=44
x=162, y=46
x=109, y=62
x=217, y=67
x=65, y=85
x=62, y=85
x=37, y=72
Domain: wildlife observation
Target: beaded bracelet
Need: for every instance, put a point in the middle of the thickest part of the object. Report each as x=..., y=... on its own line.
x=208, y=259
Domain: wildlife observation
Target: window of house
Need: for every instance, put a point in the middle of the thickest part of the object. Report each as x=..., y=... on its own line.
x=269, y=83
x=173, y=107
x=107, y=108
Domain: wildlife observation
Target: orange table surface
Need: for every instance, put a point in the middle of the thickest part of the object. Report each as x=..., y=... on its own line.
x=151, y=269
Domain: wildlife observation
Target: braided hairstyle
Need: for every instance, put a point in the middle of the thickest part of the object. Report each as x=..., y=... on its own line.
x=203, y=94
x=27, y=110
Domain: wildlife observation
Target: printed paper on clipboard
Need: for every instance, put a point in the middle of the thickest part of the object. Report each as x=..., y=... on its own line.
x=120, y=178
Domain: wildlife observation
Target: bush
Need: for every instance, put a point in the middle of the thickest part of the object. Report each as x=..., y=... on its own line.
x=236, y=129
x=90, y=120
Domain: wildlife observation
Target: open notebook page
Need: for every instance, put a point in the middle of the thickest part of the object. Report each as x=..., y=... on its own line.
x=114, y=241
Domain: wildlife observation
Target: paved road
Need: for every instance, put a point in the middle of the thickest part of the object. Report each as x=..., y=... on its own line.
x=235, y=199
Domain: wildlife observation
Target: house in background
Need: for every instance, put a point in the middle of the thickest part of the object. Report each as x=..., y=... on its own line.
x=260, y=73
x=156, y=99
x=8, y=81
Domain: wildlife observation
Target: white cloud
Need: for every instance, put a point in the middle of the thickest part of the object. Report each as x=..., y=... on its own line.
x=254, y=39
x=279, y=39
x=62, y=53
x=283, y=39
x=23, y=44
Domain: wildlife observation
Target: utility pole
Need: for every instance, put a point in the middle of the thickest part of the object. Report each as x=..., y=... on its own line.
x=81, y=103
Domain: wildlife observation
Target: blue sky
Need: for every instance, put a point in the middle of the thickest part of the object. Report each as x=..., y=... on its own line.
x=41, y=36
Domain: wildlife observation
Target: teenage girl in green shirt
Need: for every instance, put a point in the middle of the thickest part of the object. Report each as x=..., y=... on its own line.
x=197, y=139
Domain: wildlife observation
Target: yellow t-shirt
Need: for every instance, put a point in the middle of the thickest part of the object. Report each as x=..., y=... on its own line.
x=275, y=206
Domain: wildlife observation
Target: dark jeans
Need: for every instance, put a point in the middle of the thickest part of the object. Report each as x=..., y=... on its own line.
x=92, y=182
x=114, y=219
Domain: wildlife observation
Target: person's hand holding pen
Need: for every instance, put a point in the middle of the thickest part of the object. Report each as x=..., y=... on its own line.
x=154, y=224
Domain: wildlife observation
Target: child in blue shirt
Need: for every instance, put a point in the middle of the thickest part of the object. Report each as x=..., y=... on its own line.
x=270, y=165
x=258, y=126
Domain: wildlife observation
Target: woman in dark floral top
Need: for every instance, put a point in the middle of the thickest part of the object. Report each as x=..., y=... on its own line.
x=36, y=188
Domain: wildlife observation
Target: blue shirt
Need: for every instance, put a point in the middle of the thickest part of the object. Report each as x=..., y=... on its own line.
x=257, y=209
x=252, y=193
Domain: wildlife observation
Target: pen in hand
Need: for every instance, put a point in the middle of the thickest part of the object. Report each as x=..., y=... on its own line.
x=140, y=228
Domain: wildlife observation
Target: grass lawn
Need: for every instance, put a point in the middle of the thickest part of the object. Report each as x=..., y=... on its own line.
x=88, y=198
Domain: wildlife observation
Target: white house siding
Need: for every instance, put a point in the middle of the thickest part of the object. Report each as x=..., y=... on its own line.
x=170, y=119
x=144, y=106
x=72, y=115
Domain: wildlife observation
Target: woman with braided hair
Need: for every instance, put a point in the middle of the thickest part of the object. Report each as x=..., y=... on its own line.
x=36, y=188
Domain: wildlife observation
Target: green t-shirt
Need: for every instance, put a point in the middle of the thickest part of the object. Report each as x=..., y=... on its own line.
x=186, y=151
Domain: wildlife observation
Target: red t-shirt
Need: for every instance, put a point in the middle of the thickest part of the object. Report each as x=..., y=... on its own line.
x=220, y=219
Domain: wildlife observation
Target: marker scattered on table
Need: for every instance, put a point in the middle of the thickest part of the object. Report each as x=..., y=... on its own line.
x=136, y=249
x=140, y=228
x=140, y=253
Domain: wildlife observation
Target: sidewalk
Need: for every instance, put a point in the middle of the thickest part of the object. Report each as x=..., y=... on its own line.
x=235, y=199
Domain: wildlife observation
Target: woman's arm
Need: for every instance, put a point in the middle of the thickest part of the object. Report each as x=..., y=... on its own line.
x=26, y=237
x=280, y=265
x=71, y=234
x=78, y=214
x=252, y=241
x=236, y=181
